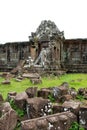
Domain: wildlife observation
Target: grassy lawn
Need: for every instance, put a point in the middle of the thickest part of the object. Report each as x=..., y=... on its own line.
x=74, y=80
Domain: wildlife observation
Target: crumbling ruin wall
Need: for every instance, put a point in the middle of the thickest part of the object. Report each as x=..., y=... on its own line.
x=47, y=36
x=75, y=54
x=12, y=53
x=3, y=55
x=68, y=54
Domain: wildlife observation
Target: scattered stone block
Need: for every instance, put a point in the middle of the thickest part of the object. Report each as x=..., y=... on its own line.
x=20, y=77
x=36, y=81
x=71, y=106
x=52, y=122
x=64, y=122
x=42, y=124
x=20, y=99
x=65, y=84
x=81, y=91
x=57, y=93
x=8, y=117
x=6, y=82
x=31, y=92
x=59, y=121
x=31, y=75
x=73, y=92
x=57, y=108
x=18, y=80
x=11, y=95
x=44, y=92
x=64, y=90
x=83, y=117
x=28, y=125
x=65, y=98
x=37, y=107
x=4, y=74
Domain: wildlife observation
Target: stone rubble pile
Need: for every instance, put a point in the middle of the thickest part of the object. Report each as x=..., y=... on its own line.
x=34, y=78
x=46, y=108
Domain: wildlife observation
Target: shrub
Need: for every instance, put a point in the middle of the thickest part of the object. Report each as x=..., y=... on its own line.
x=76, y=126
x=19, y=111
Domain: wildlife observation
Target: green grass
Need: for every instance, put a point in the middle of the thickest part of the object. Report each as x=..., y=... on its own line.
x=74, y=80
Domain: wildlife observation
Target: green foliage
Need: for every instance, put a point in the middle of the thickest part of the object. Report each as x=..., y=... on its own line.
x=20, y=112
x=18, y=126
x=76, y=126
x=80, y=97
x=51, y=98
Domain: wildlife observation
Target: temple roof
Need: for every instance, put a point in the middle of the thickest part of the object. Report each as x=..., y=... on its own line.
x=46, y=30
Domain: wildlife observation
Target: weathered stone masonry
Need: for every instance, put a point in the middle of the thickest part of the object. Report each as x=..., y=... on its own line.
x=59, y=53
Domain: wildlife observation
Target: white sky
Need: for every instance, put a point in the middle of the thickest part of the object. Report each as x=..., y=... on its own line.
x=18, y=18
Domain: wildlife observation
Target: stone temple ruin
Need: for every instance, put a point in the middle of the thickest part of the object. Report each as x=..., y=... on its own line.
x=47, y=49
x=43, y=51
x=53, y=108
x=47, y=40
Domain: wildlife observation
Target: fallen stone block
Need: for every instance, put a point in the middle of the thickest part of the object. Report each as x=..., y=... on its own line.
x=31, y=92
x=8, y=117
x=44, y=92
x=71, y=106
x=65, y=84
x=81, y=91
x=64, y=90
x=20, y=77
x=37, y=107
x=73, y=92
x=35, y=81
x=20, y=100
x=57, y=93
x=31, y=75
x=6, y=82
x=42, y=124
x=4, y=74
x=83, y=117
x=65, y=98
x=11, y=95
x=64, y=122
x=18, y=80
x=59, y=121
x=57, y=108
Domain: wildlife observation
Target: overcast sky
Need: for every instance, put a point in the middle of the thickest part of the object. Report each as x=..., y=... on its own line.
x=18, y=18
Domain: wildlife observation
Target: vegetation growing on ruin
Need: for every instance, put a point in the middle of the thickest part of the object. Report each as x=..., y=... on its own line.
x=74, y=80
x=76, y=126
x=20, y=112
